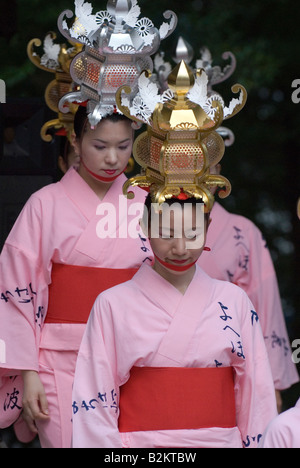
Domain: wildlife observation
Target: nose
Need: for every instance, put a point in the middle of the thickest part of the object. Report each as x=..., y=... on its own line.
x=111, y=157
x=179, y=246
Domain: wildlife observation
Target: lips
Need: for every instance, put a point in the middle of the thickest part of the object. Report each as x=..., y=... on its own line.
x=110, y=172
x=181, y=266
x=177, y=262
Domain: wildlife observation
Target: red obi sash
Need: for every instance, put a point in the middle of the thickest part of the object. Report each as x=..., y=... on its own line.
x=166, y=398
x=73, y=290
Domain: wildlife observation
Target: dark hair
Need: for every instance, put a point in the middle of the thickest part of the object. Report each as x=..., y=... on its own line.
x=81, y=118
x=65, y=146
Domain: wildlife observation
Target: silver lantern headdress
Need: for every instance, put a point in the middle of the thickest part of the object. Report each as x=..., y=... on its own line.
x=117, y=48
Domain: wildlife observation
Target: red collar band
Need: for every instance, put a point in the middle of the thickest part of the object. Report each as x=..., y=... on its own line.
x=101, y=178
x=170, y=266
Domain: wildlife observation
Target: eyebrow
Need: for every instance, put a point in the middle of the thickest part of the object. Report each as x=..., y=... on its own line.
x=105, y=142
x=172, y=230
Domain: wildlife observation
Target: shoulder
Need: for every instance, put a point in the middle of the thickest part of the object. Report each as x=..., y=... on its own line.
x=234, y=219
x=239, y=229
x=49, y=192
x=121, y=293
x=235, y=302
x=41, y=198
x=34, y=209
x=282, y=430
x=221, y=288
x=113, y=306
x=70, y=180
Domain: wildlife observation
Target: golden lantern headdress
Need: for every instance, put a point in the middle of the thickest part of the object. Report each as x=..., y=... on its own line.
x=216, y=74
x=181, y=143
x=117, y=48
x=56, y=59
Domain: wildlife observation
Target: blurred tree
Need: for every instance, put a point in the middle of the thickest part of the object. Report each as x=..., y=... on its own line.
x=8, y=22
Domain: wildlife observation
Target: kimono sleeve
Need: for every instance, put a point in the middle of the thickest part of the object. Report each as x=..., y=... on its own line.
x=23, y=290
x=261, y=286
x=254, y=387
x=23, y=296
x=95, y=389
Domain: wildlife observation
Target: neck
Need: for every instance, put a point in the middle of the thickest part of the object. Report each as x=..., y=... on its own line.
x=179, y=279
x=97, y=176
x=99, y=187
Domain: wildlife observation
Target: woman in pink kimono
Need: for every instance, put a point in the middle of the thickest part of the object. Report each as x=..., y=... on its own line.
x=284, y=430
x=69, y=243
x=242, y=257
x=173, y=358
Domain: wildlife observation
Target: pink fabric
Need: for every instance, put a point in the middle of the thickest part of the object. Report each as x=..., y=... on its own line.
x=239, y=254
x=284, y=430
x=22, y=431
x=58, y=224
x=147, y=322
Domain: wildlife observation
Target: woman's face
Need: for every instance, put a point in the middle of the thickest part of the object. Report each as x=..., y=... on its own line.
x=105, y=151
x=179, y=242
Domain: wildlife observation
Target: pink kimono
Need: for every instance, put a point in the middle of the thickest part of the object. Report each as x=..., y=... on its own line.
x=284, y=430
x=146, y=324
x=239, y=254
x=60, y=226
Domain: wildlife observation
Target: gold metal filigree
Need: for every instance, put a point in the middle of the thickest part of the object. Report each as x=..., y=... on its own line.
x=57, y=88
x=180, y=146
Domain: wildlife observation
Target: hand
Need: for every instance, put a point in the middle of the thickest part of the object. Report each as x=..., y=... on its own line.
x=35, y=404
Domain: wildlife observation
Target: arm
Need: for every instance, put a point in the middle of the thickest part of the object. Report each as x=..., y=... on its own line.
x=35, y=405
x=23, y=289
x=255, y=394
x=23, y=301
x=260, y=283
x=95, y=389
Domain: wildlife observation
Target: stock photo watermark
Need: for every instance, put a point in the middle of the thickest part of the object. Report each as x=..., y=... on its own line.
x=160, y=221
x=296, y=93
x=2, y=92
x=296, y=351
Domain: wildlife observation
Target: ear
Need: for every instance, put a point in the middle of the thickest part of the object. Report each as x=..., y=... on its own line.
x=75, y=143
x=136, y=125
x=62, y=164
x=216, y=170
